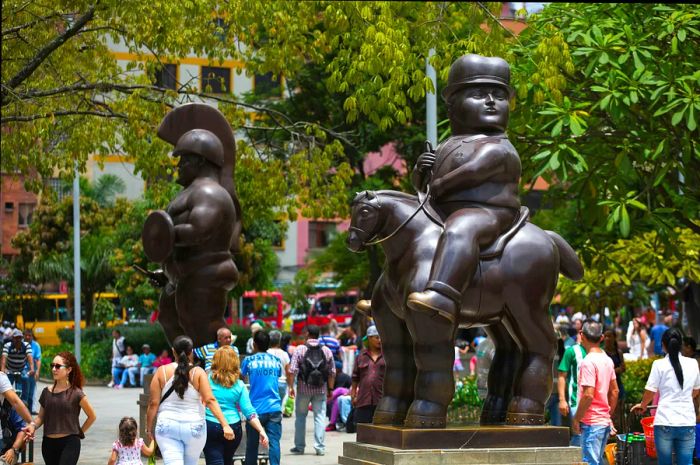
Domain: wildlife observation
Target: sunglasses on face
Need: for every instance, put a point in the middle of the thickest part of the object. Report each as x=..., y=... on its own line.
x=57, y=366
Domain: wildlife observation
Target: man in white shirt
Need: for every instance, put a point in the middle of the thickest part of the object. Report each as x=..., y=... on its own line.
x=118, y=351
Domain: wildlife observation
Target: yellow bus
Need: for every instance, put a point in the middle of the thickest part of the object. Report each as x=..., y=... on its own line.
x=46, y=314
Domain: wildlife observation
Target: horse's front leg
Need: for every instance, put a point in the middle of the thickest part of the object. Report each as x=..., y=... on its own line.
x=433, y=346
x=400, y=372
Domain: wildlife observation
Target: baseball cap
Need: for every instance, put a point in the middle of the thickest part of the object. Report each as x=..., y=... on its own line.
x=372, y=331
x=17, y=333
x=145, y=346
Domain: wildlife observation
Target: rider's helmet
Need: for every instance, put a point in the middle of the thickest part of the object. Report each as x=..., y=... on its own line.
x=469, y=70
x=203, y=143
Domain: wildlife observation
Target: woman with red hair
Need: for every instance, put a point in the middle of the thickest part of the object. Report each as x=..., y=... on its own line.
x=60, y=412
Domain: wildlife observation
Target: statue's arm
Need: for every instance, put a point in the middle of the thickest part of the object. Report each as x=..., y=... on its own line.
x=490, y=160
x=205, y=212
x=422, y=171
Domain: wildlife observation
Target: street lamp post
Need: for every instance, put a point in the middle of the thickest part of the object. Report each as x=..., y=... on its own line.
x=76, y=260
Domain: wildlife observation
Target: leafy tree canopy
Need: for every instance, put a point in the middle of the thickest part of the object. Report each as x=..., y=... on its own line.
x=606, y=112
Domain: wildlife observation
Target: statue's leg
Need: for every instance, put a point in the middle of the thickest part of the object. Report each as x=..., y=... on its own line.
x=501, y=373
x=167, y=314
x=400, y=372
x=201, y=311
x=433, y=347
x=533, y=383
x=456, y=258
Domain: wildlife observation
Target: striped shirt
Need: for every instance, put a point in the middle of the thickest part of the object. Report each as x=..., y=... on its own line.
x=298, y=357
x=330, y=342
x=206, y=353
x=17, y=358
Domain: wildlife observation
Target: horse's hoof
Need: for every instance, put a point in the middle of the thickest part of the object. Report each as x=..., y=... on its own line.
x=424, y=422
x=524, y=419
x=364, y=306
x=489, y=417
x=388, y=418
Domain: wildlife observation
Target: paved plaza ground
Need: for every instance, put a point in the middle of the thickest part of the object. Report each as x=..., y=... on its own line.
x=111, y=405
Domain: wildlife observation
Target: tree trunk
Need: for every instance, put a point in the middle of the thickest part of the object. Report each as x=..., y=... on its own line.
x=691, y=307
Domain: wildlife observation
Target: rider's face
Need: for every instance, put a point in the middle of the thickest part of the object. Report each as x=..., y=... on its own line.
x=482, y=108
x=187, y=168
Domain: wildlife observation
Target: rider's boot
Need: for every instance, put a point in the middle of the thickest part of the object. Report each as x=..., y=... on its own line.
x=439, y=298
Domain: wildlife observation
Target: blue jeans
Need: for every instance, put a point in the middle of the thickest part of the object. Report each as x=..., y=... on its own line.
x=575, y=438
x=553, y=408
x=180, y=441
x=678, y=439
x=218, y=450
x=282, y=388
x=20, y=382
x=593, y=441
x=117, y=373
x=344, y=407
x=318, y=406
x=272, y=422
x=31, y=389
x=145, y=371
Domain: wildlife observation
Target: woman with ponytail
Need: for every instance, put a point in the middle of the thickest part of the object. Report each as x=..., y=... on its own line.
x=179, y=391
x=677, y=380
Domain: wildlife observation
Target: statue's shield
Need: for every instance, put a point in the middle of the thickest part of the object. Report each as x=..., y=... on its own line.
x=158, y=236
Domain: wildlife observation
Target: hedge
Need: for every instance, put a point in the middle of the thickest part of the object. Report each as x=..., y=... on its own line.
x=96, y=347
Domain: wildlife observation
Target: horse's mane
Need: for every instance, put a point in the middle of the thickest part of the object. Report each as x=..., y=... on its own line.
x=387, y=193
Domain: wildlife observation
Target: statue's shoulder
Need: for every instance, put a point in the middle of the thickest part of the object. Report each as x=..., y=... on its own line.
x=494, y=145
x=210, y=191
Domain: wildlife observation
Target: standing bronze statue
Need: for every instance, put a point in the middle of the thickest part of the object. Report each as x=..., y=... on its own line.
x=195, y=236
x=462, y=253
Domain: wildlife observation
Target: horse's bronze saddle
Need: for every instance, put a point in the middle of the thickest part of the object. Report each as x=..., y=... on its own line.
x=496, y=248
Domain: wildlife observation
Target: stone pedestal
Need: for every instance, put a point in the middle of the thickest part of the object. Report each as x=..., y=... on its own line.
x=392, y=445
x=143, y=401
x=355, y=453
x=463, y=437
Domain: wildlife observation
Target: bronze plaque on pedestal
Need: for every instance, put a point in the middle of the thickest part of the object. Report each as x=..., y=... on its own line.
x=463, y=437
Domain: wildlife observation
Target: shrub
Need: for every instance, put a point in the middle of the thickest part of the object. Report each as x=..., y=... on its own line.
x=96, y=362
x=635, y=378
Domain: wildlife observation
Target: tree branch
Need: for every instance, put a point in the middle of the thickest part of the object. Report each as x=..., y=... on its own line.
x=26, y=118
x=45, y=52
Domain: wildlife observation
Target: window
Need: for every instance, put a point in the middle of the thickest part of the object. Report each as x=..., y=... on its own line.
x=320, y=234
x=26, y=211
x=9, y=207
x=61, y=189
x=216, y=80
x=167, y=76
x=266, y=85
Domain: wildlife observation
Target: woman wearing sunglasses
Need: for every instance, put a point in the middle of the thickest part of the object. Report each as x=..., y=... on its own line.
x=60, y=412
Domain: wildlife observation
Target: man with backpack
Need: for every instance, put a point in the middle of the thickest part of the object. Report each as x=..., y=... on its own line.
x=313, y=366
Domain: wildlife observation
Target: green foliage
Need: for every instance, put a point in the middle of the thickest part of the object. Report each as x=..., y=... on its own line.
x=96, y=359
x=466, y=394
x=607, y=95
x=606, y=98
x=635, y=378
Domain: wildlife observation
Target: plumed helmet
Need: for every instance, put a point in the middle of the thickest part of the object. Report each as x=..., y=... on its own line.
x=201, y=142
x=469, y=70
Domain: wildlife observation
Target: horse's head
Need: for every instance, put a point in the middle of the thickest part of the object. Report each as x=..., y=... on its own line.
x=364, y=220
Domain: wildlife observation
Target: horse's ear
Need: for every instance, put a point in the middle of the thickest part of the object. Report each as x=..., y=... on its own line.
x=371, y=195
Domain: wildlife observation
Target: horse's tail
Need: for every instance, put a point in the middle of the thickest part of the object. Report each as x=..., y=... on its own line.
x=569, y=263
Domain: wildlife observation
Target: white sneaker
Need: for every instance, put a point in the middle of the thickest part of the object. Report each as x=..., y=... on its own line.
x=111, y=383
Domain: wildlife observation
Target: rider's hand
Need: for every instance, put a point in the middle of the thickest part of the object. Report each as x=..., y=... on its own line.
x=228, y=433
x=425, y=161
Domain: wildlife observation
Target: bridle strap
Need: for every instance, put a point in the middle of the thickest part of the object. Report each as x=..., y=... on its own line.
x=405, y=222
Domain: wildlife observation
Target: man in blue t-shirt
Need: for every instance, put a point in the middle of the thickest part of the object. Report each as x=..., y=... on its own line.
x=657, y=331
x=262, y=370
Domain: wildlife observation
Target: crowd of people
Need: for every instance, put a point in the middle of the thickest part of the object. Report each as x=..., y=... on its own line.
x=203, y=398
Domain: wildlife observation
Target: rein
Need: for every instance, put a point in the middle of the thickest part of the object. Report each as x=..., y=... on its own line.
x=405, y=222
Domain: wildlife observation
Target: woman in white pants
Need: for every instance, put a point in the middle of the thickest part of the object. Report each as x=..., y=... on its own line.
x=179, y=392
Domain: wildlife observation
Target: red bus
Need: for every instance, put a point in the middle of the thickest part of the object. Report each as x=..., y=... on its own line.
x=323, y=307
x=267, y=306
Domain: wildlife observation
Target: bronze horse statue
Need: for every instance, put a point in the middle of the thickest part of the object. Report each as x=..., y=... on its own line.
x=509, y=297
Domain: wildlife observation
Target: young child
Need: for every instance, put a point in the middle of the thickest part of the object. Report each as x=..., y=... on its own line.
x=128, y=448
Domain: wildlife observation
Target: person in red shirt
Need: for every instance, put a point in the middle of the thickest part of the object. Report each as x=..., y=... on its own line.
x=597, y=395
x=368, y=378
x=163, y=359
